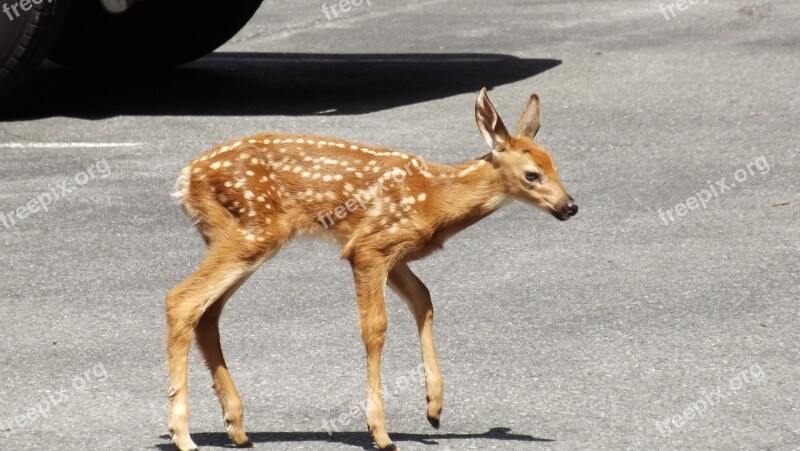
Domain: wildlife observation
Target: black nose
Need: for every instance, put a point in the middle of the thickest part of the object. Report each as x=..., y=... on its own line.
x=572, y=208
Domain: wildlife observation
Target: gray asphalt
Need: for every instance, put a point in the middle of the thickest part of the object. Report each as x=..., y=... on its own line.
x=619, y=329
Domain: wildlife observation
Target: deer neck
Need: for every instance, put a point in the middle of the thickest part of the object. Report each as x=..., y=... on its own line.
x=475, y=191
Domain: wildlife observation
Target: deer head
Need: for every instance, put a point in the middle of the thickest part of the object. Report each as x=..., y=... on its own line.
x=526, y=168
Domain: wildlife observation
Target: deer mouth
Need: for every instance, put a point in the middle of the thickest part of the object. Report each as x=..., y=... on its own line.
x=566, y=210
x=560, y=215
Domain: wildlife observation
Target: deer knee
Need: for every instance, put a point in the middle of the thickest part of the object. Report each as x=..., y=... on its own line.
x=373, y=331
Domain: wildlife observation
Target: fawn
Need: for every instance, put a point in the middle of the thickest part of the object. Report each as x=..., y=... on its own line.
x=251, y=196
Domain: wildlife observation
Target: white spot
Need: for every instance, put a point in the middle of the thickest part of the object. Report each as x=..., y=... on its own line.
x=327, y=178
x=470, y=168
x=215, y=165
x=226, y=164
x=250, y=173
x=236, y=144
x=248, y=194
x=422, y=197
x=252, y=141
x=305, y=175
x=338, y=177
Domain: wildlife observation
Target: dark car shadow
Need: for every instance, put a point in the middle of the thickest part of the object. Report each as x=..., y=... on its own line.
x=267, y=84
x=357, y=439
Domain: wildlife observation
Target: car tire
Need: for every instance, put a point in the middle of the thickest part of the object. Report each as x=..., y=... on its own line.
x=151, y=34
x=26, y=40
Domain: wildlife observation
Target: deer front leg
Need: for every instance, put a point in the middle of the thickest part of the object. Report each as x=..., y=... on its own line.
x=406, y=284
x=370, y=274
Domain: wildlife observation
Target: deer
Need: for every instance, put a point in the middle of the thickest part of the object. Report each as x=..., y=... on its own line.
x=249, y=197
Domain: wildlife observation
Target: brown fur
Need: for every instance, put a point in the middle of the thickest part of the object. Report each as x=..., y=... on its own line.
x=251, y=196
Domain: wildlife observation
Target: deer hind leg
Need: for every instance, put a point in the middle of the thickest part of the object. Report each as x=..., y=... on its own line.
x=370, y=274
x=416, y=295
x=208, y=340
x=226, y=264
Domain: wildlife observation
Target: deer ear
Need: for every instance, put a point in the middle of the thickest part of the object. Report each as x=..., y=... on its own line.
x=529, y=122
x=489, y=122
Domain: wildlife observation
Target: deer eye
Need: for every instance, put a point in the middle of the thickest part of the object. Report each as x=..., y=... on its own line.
x=531, y=176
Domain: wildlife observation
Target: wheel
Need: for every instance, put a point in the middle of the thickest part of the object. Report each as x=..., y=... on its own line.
x=151, y=34
x=26, y=37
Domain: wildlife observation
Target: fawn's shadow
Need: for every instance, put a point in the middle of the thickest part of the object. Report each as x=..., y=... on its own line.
x=358, y=439
x=228, y=84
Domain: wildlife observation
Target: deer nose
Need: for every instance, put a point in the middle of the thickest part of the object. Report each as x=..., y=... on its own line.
x=571, y=207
